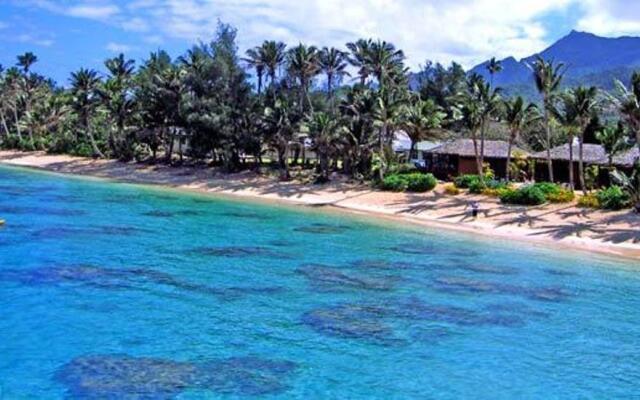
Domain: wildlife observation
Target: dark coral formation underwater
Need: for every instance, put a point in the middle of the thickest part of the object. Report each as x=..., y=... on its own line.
x=126, y=377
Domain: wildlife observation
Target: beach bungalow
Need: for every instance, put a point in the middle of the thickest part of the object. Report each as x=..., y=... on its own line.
x=402, y=147
x=593, y=155
x=457, y=157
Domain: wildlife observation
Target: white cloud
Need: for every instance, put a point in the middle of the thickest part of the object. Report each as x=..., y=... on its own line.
x=153, y=39
x=611, y=17
x=119, y=47
x=33, y=39
x=468, y=31
x=135, y=24
x=92, y=11
x=465, y=30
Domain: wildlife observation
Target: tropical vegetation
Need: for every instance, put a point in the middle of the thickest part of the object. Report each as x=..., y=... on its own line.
x=275, y=104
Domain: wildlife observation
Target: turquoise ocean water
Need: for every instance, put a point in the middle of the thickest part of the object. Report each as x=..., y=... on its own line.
x=112, y=291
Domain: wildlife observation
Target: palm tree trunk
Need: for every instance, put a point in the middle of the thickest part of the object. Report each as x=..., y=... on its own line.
x=482, y=134
x=169, y=151
x=94, y=146
x=508, y=171
x=4, y=123
x=412, y=149
x=382, y=169
x=477, y=154
x=259, y=84
x=571, y=178
x=548, y=143
x=581, y=162
x=17, y=122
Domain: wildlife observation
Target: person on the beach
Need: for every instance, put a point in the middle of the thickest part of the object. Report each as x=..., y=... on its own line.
x=475, y=207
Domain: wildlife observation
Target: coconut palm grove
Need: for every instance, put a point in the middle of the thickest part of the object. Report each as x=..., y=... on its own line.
x=440, y=233
x=267, y=107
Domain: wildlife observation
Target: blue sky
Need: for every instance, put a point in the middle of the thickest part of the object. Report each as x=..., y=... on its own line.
x=69, y=34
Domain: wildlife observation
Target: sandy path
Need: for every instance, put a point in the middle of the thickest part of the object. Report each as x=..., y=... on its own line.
x=550, y=225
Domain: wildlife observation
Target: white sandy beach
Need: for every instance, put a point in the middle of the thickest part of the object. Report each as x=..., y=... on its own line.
x=616, y=233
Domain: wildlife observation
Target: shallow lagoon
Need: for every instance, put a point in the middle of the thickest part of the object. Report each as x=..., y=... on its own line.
x=128, y=291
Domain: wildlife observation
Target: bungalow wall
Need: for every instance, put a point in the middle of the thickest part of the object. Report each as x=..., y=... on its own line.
x=561, y=172
x=445, y=166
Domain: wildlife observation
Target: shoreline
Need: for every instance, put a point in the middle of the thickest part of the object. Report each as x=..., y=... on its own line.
x=559, y=226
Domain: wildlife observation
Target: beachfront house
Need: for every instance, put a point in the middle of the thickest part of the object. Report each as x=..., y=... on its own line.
x=594, y=155
x=457, y=157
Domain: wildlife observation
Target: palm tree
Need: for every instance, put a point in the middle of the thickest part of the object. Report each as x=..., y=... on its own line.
x=119, y=67
x=385, y=62
x=421, y=120
x=480, y=104
x=84, y=85
x=333, y=63
x=386, y=117
x=279, y=126
x=586, y=105
x=358, y=57
x=518, y=116
x=26, y=60
x=118, y=101
x=29, y=83
x=547, y=77
x=273, y=55
x=255, y=60
x=494, y=66
x=614, y=140
x=472, y=110
x=357, y=110
x=566, y=113
x=303, y=65
x=324, y=135
x=628, y=102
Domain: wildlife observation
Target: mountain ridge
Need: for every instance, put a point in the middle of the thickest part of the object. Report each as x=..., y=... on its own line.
x=589, y=59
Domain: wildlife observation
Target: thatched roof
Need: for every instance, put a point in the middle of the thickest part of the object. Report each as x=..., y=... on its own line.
x=593, y=154
x=627, y=158
x=464, y=148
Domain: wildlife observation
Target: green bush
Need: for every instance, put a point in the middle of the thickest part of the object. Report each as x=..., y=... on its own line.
x=548, y=188
x=477, y=187
x=82, y=150
x=414, y=182
x=417, y=182
x=488, y=186
x=563, y=196
x=465, y=181
x=403, y=169
x=589, y=201
x=613, y=198
x=394, y=183
x=451, y=189
x=527, y=195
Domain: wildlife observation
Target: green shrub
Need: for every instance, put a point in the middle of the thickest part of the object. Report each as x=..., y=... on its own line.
x=477, y=186
x=465, y=181
x=548, y=188
x=451, y=189
x=527, y=195
x=402, y=169
x=82, y=150
x=613, y=198
x=562, y=196
x=489, y=187
x=394, y=183
x=589, y=201
x=417, y=182
x=414, y=182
